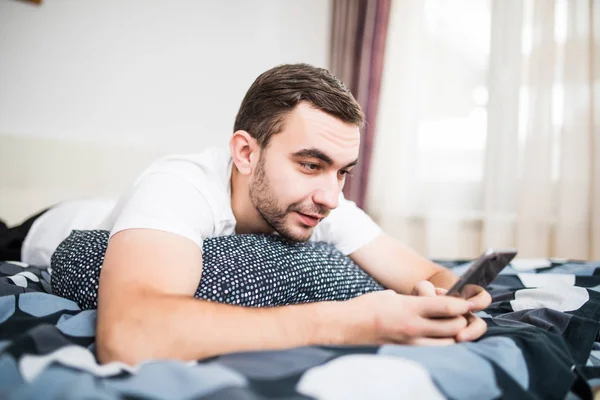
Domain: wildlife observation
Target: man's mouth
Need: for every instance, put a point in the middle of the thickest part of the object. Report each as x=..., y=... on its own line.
x=310, y=220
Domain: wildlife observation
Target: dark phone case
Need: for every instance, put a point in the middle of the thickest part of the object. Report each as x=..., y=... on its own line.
x=484, y=270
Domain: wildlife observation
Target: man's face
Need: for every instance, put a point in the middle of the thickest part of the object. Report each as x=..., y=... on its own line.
x=299, y=177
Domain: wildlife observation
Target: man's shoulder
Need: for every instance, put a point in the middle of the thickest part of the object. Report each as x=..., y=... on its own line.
x=181, y=184
x=209, y=167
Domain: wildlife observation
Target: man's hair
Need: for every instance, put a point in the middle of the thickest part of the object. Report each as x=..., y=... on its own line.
x=279, y=90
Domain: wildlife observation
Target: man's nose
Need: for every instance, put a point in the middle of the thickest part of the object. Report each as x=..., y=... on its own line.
x=328, y=194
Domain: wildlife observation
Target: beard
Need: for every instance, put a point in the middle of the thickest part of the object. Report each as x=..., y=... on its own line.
x=274, y=213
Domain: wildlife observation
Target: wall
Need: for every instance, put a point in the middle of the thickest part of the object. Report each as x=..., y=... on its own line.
x=92, y=91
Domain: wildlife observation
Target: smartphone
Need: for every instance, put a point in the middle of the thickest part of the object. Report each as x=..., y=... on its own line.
x=483, y=271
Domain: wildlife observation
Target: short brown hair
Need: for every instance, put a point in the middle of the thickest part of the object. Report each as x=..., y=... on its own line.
x=278, y=91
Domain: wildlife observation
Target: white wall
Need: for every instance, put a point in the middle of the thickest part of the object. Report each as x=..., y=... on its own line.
x=84, y=81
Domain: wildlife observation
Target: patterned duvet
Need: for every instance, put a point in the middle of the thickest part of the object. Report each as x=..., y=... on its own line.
x=541, y=344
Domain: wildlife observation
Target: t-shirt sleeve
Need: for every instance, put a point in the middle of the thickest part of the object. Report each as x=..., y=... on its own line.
x=169, y=203
x=347, y=227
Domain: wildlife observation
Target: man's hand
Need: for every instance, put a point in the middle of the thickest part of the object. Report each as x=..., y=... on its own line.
x=478, y=299
x=389, y=317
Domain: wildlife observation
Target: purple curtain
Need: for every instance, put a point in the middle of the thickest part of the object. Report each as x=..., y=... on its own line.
x=358, y=34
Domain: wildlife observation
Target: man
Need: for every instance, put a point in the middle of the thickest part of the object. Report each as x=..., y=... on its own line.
x=296, y=138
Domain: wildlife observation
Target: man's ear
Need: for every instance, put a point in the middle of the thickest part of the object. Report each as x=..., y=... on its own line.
x=245, y=151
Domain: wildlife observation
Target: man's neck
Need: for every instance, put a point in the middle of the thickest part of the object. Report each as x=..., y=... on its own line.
x=248, y=219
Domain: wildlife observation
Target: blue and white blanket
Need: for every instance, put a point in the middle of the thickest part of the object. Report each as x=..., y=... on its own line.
x=542, y=343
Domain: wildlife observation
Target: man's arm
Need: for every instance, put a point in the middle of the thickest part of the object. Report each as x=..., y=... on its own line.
x=146, y=307
x=146, y=310
x=398, y=267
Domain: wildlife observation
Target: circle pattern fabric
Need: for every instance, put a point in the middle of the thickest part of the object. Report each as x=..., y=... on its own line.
x=245, y=270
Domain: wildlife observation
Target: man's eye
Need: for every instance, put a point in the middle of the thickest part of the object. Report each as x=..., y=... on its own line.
x=344, y=173
x=310, y=166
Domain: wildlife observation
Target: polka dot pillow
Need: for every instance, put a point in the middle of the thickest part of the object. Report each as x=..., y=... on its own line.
x=247, y=270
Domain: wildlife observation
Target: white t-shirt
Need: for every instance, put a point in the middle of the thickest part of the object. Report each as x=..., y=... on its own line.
x=190, y=195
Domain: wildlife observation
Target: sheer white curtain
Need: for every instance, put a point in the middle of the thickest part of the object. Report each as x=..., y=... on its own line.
x=489, y=128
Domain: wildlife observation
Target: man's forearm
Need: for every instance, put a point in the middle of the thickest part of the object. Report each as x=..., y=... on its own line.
x=155, y=326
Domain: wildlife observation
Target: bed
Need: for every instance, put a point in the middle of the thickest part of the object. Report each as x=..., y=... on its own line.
x=542, y=343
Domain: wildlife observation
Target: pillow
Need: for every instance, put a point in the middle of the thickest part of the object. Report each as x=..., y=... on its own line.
x=247, y=270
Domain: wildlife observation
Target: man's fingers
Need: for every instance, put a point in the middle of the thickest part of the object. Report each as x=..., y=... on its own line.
x=440, y=291
x=431, y=342
x=480, y=301
x=442, y=306
x=442, y=327
x=424, y=288
x=475, y=329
